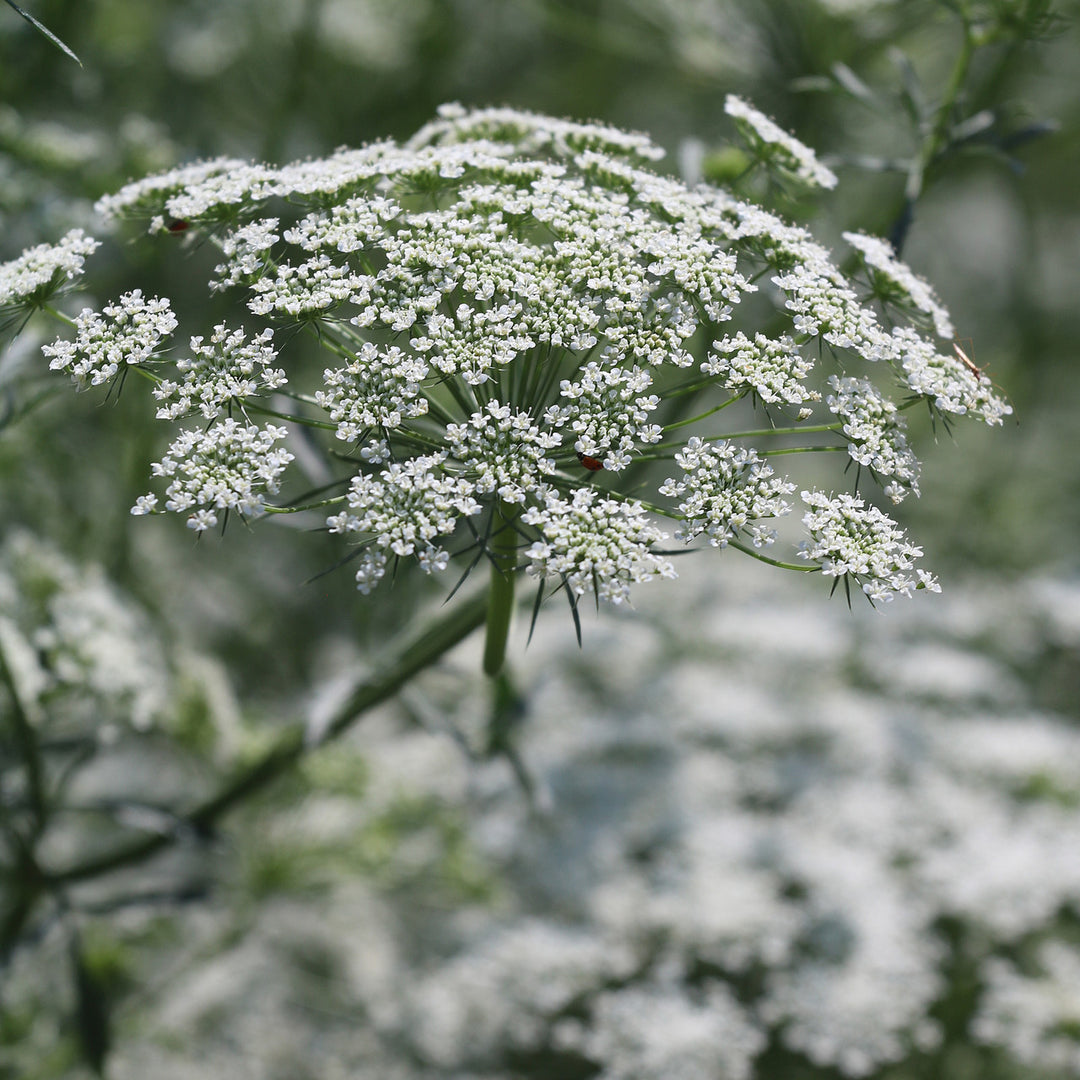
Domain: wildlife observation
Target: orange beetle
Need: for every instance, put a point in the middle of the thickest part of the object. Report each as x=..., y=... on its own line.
x=590, y=463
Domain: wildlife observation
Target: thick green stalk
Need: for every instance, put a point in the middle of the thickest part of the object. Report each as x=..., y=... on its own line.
x=501, y=590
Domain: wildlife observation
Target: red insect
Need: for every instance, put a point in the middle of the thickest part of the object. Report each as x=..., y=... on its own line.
x=178, y=226
x=590, y=463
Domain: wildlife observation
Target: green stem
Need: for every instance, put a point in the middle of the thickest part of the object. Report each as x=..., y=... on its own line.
x=251, y=405
x=501, y=590
x=809, y=429
x=57, y=314
x=702, y=416
x=415, y=654
x=805, y=450
x=772, y=562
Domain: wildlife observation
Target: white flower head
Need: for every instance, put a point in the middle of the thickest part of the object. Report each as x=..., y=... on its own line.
x=894, y=280
x=595, y=545
x=128, y=332
x=851, y=539
x=725, y=493
x=227, y=466
x=518, y=315
x=772, y=143
x=39, y=272
x=876, y=429
x=224, y=370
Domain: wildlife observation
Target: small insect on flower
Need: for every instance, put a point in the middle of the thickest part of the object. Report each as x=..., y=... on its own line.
x=590, y=463
x=967, y=361
x=178, y=226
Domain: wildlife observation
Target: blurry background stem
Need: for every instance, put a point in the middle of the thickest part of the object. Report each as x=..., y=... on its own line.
x=935, y=136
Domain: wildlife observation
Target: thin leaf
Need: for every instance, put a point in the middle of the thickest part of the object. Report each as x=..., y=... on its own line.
x=42, y=28
x=911, y=94
x=573, y=610
x=1029, y=133
x=468, y=570
x=849, y=81
x=973, y=126
x=813, y=84
x=535, y=611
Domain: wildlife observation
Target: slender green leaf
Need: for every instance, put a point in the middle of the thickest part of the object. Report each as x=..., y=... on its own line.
x=42, y=28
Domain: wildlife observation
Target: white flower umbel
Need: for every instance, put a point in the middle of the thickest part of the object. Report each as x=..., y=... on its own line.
x=222, y=371
x=727, y=489
x=518, y=314
x=595, y=544
x=642, y=1033
x=377, y=389
x=1036, y=1018
x=772, y=143
x=947, y=381
x=774, y=370
x=403, y=511
x=228, y=466
x=40, y=272
x=504, y=450
x=852, y=540
x=125, y=333
x=876, y=430
x=894, y=281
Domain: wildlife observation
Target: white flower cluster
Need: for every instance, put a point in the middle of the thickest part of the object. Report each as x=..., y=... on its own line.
x=894, y=280
x=645, y=1032
x=772, y=142
x=505, y=991
x=40, y=271
x=377, y=389
x=876, y=430
x=225, y=370
x=947, y=381
x=514, y=304
x=851, y=539
x=76, y=650
x=771, y=839
x=504, y=451
x=774, y=370
x=595, y=544
x=125, y=333
x=726, y=490
x=227, y=466
x=406, y=508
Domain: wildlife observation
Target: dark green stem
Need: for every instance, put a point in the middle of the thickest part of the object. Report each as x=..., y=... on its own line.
x=936, y=139
x=501, y=590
